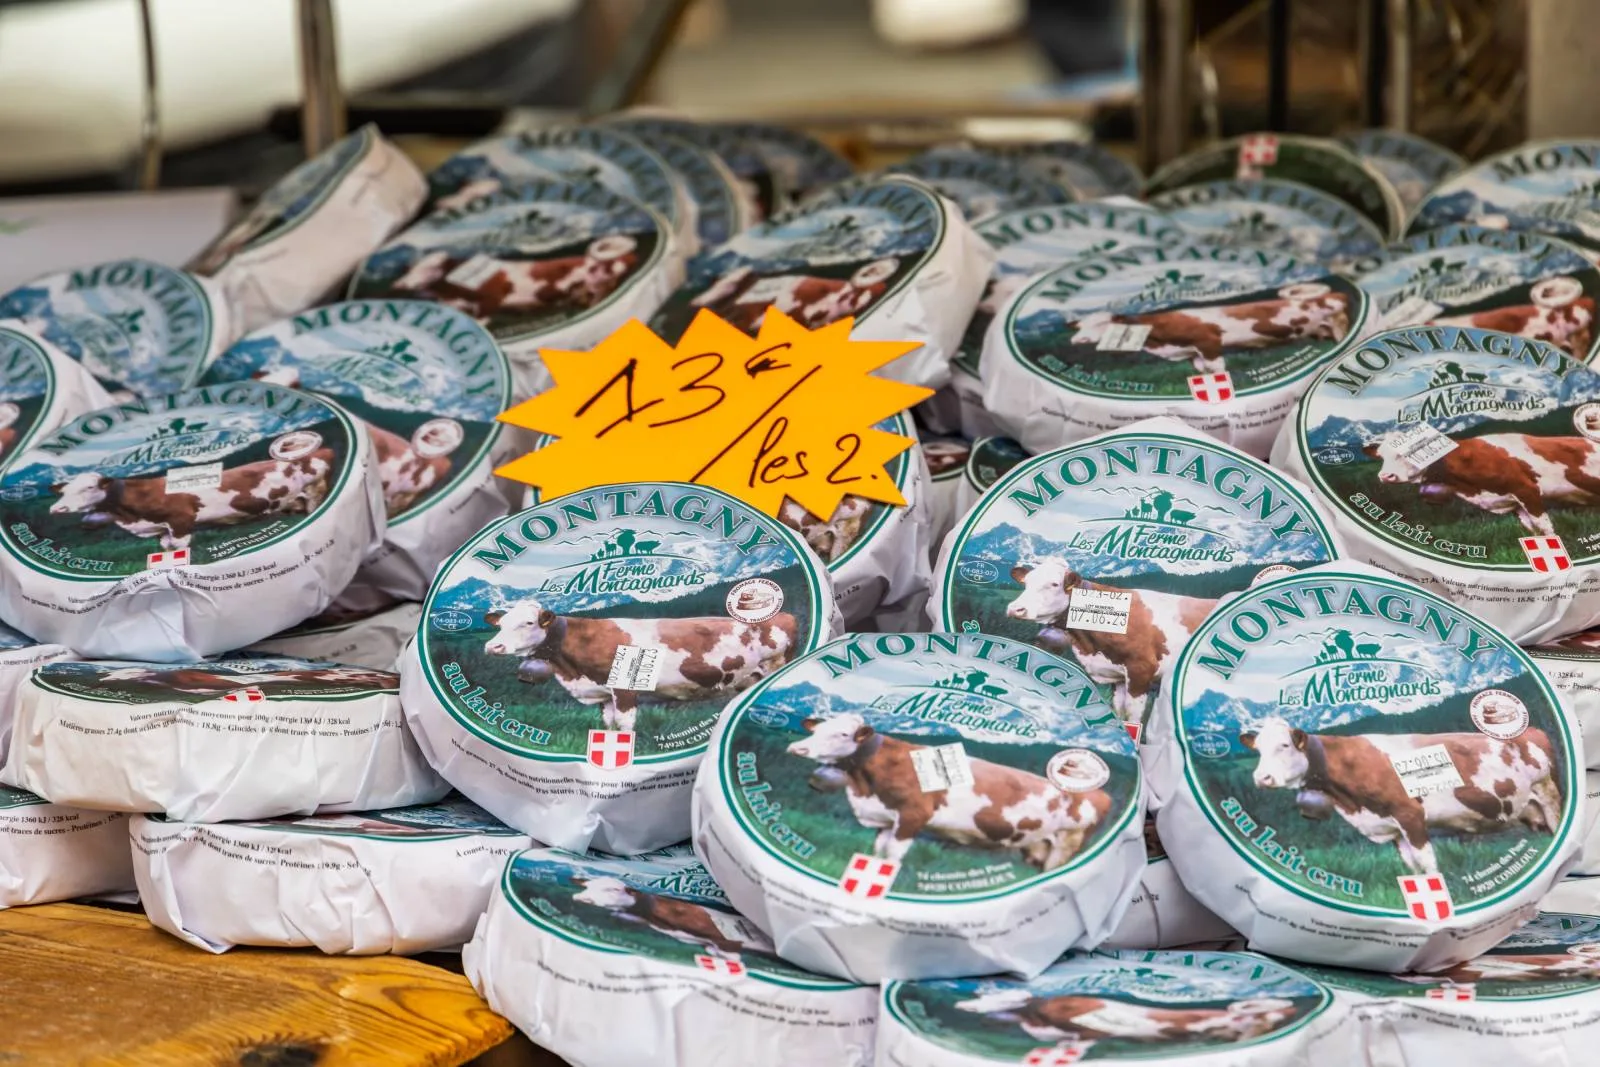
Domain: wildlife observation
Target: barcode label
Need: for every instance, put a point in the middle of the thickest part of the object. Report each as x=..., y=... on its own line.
x=194, y=479
x=941, y=766
x=1422, y=445
x=635, y=667
x=1426, y=771
x=1123, y=338
x=1101, y=610
x=474, y=272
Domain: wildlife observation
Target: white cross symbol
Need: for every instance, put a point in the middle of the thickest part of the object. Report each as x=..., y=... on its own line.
x=1453, y=993
x=1546, y=554
x=868, y=877
x=1055, y=1056
x=1427, y=897
x=720, y=966
x=177, y=557
x=610, y=749
x=1211, y=388
x=246, y=696
x=1259, y=151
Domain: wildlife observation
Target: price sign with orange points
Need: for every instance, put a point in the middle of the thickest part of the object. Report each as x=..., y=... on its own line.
x=788, y=413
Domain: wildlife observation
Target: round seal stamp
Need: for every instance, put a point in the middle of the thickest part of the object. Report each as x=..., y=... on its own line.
x=437, y=437
x=755, y=600
x=291, y=446
x=1499, y=714
x=1077, y=770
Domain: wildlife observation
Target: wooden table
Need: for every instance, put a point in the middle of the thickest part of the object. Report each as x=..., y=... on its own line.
x=91, y=986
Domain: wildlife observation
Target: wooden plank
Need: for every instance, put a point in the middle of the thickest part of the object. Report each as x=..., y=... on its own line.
x=88, y=986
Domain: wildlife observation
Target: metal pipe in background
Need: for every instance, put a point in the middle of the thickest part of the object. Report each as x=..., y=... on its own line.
x=150, y=119
x=1278, y=45
x=1372, y=59
x=1397, y=95
x=322, y=111
x=638, y=55
x=1166, y=27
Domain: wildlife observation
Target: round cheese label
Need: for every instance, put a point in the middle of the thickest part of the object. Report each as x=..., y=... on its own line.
x=1112, y=552
x=453, y=817
x=527, y=261
x=1412, y=165
x=990, y=458
x=946, y=456
x=1547, y=187
x=1312, y=161
x=982, y=185
x=19, y=798
x=1459, y=275
x=582, y=155
x=1459, y=446
x=798, y=162
x=134, y=324
x=847, y=255
x=757, y=182
x=663, y=907
x=868, y=767
x=1029, y=241
x=243, y=682
x=633, y=610
x=858, y=521
x=425, y=379
x=1285, y=216
x=291, y=199
x=1197, y=323
x=1556, y=955
x=722, y=206
x=1088, y=170
x=1113, y=1006
x=27, y=391
x=1370, y=748
x=215, y=473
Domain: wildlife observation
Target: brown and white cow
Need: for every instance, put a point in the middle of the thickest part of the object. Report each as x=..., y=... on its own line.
x=1504, y=783
x=1305, y=311
x=1085, y=1018
x=1003, y=808
x=700, y=658
x=521, y=285
x=1502, y=473
x=1559, y=315
x=1159, y=625
x=742, y=297
x=144, y=508
x=723, y=933
x=836, y=536
x=199, y=681
x=1579, y=961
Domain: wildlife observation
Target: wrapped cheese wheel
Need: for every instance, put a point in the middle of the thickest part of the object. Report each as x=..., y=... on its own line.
x=722, y=206
x=1285, y=216
x=1112, y=551
x=1412, y=165
x=540, y=264
x=52, y=852
x=982, y=185
x=139, y=327
x=1089, y=170
x=753, y=175
x=889, y=252
x=400, y=880
x=358, y=638
x=1458, y=458
x=1221, y=336
x=221, y=739
x=798, y=163
x=923, y=805
x=573, y=656
x=40, y=388
x=186, y=525
x=990, y=458
x=1355, y=771
x=947, y=463
x=1546, y=187
x=311, y=228
x=1163, y=913
x=19, y=655
x=427, y=382
x=1533, y=998
x=1209, y=1009
x=569, y=939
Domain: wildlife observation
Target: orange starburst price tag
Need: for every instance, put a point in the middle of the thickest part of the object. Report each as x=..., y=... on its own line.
x=788, y=413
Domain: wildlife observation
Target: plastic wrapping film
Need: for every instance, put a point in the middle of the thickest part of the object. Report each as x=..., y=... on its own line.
x=310, y=230
x=51, y=852
x=847, y=807
x=1163, y=913
x=365, y=639
x=19, y=655
x=1423, y=442
x=427, y=382
x=1225, y=337
x=224, y=739
x=571, y=940
x=400, y=880
x=947, y=460
x=572, y=657
x=1308, y=704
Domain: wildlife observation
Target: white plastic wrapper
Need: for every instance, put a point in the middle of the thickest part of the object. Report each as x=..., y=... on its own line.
x=19, y=655
x=573, y=657
x=1163, y=913
x=427, y=382
x=1412, y=440
x=1572, y=665
x=611, y=961
x=990, y=459
x=400, y=880
x=307, y=232
x=1112, y=551
x=923, y=805
x=224, y=739
x=359, y=639
x=1533, y=998
x=139, y=327
x=1224, y=337
x=1206, y=1009
x=1354, y=771
x=187, y=525
x=888, y=251
x=947, y=463
x=40, y=388
x=541, y=264
x=50, y=852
